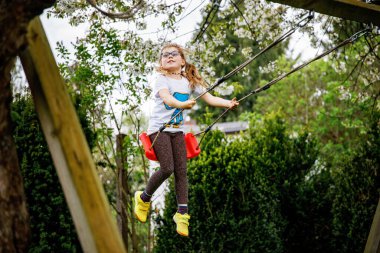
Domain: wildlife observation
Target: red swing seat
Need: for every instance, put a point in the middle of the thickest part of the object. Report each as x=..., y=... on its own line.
x=192, y=148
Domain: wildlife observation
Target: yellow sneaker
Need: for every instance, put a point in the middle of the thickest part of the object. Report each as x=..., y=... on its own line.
x=141, y=207
x=182, y=221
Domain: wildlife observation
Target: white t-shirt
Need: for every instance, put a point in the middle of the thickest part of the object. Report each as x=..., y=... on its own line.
x=162, y=113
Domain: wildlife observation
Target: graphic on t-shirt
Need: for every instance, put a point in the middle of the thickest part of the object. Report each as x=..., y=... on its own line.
x=179, y=118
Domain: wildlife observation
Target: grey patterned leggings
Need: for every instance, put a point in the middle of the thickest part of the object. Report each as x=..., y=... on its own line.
x=170, y=149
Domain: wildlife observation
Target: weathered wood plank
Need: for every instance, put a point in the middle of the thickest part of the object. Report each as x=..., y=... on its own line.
x=72, y=158
x=373, y=241
x=347, y=9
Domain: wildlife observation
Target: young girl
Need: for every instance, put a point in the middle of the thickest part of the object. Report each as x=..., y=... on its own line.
x=171, y=91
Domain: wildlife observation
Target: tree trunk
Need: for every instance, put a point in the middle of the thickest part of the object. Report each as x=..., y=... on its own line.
x=14, y=225
x=122, y=190
x=14, y=219
x=124, y=199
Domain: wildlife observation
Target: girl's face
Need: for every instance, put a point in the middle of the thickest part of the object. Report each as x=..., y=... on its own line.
x=171, y=59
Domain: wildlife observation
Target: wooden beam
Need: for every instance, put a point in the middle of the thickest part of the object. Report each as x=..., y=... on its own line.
x=354, y=10
x=373, y=241
x=72, y=158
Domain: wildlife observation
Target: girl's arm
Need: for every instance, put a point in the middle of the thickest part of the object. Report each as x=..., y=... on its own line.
x=219, y=102
x=173, y=102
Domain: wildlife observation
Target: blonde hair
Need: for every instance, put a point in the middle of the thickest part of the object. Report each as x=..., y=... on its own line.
x=190, y=71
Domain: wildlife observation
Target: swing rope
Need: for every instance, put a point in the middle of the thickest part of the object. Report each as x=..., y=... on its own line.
x=351, y=39
x=303, y=22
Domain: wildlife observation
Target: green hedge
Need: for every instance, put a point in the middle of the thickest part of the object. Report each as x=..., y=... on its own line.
x=265, y=191
x=52, y=228
x=237, y=191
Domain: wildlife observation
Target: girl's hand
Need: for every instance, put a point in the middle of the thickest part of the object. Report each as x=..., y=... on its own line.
x=232, y=104
x=188, y=104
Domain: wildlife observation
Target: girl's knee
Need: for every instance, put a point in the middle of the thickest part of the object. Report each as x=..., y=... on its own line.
x=181, y=171
x=166, y=172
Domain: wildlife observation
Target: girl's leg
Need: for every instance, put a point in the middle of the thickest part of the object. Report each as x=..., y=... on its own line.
x=181, y=217
x=180, y=171
x=163, y=149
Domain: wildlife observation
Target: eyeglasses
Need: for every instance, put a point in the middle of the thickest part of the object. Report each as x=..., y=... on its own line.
x=167, y=54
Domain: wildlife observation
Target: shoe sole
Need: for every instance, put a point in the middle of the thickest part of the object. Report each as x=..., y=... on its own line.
x=182, y=234
x=186, y=235
x=138, y=218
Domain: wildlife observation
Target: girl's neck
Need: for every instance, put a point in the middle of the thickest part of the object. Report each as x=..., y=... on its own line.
x=174, y=74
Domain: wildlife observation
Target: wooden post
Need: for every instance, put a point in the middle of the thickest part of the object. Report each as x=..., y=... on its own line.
x=373, y=241
x=72, y=158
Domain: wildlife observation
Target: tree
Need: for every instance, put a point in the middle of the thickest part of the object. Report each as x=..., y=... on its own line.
x=230, y=35
x=356, y=193
x=14, y=220
x=334, y=98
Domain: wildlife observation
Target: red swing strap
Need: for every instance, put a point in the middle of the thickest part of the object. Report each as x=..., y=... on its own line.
x=192, y=147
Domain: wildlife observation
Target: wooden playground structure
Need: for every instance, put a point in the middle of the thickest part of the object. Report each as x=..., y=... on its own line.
x=86, y=199
x=68, y=147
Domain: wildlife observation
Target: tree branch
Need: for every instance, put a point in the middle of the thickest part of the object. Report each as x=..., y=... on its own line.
x=123, y=15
